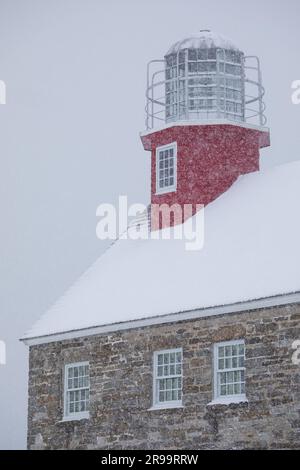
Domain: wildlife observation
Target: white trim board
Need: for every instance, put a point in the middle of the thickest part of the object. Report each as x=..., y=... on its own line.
x=268, y=302
x=208, y=122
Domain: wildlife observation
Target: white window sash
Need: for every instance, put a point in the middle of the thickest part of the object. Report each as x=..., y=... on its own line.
x=171, y=188
x=156, y=379
x=217, y=371
x=76, y=415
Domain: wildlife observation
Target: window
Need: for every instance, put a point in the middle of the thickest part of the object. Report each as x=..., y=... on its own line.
x=166, y=168
x=77, y=391
x=230, y=370
x=167, y=374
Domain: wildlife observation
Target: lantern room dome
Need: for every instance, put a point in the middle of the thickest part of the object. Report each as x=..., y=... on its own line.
x=205, y=39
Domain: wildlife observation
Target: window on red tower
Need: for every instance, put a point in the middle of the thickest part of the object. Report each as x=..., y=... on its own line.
x=166, y=168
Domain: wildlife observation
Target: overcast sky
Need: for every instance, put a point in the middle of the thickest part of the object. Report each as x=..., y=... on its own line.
x=75, y=73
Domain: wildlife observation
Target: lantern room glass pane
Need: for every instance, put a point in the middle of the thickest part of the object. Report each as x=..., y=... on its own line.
x=210, y=83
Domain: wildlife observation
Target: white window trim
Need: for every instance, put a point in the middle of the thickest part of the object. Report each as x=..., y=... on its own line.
x=234, y=399
x=169, y=189
x=228, y=399
x=156, y=405
x=76, y=416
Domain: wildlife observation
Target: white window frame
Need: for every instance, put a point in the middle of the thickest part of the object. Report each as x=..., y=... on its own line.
x=168, y=189
x=77, y=415
x=218, y=398
x=166, y=404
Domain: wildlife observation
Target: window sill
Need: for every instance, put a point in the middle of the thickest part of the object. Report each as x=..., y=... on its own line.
x=229, y=400
x=169, y=406
x=78, y=417
x=167, y=191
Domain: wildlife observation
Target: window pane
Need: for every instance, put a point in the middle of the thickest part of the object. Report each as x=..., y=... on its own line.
x=222, y=377
x=241, y=362
x=221, y=351
x=212, y=54
x=169, y=384
x=202, y=54
x=192, y=54
x=227, y=363
x=230, y=377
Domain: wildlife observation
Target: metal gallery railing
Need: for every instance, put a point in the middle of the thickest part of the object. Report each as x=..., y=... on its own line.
x=253, y=106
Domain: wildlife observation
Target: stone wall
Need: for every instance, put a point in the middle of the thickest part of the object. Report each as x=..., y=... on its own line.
x=121, y=387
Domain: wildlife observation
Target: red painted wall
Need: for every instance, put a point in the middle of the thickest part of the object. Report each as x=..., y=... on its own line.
x=209, y=160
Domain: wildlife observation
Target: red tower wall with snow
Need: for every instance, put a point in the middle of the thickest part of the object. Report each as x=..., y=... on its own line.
x=210, y=158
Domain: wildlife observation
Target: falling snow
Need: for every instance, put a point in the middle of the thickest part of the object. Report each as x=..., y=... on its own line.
x=251, y=251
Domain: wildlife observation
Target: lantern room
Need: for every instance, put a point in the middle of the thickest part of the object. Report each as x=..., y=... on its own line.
x=201, y=78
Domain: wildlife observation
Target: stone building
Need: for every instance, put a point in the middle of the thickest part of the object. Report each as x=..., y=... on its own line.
x=185, y=342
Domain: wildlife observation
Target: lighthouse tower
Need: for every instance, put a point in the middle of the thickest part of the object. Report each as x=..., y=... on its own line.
x=205, y=122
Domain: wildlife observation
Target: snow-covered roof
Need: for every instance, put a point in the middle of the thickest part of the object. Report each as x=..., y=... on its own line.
x=251, y=251
x=205, y=39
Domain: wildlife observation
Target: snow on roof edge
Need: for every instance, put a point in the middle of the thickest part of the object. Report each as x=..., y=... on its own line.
x=205, y=312
x=231, y=196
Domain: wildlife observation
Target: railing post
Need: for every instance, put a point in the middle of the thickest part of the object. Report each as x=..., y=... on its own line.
x=260, y=93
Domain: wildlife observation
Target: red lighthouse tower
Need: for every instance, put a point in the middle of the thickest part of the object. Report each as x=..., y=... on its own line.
x=205, y=122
